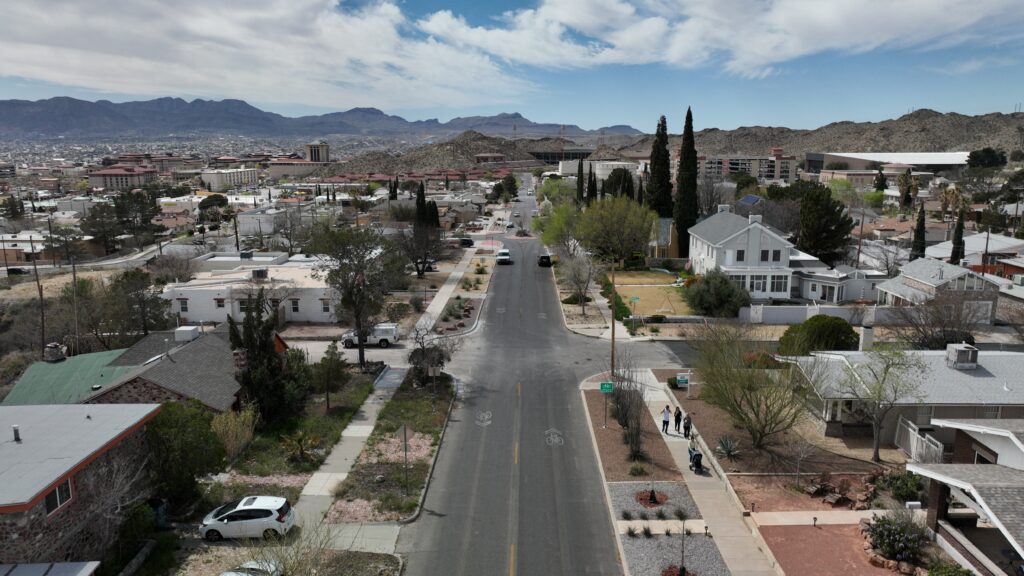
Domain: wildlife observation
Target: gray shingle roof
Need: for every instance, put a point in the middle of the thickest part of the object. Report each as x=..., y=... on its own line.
x=203, y=369
x=55, y=439
x=146, y=349
x=998, y=488
x=932, y=272
x=896, y=287
x=941, y=385
x=718, y=227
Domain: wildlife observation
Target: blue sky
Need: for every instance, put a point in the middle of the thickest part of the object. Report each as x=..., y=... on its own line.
x=794, y=63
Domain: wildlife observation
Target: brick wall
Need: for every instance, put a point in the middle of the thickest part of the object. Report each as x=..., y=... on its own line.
x=963, y=448
x=84, y=527
x=136, y=391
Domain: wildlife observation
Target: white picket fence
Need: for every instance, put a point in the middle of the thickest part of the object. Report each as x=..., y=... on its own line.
x=919, y=448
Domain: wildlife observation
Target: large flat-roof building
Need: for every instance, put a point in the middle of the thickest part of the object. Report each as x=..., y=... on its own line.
x=122, y=177
x=776, y=166
x=221, y=179
x=932, y=161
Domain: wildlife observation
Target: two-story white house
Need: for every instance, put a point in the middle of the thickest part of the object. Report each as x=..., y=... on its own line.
x=753, y=254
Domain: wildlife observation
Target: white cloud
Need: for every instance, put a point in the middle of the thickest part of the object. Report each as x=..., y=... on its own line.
x=971, y=65
x=331, y=54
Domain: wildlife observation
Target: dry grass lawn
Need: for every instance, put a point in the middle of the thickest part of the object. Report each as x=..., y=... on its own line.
x=52, y=285
x=652, y=278
x=664, y=300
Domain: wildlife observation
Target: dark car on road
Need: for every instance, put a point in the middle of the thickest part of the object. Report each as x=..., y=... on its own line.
x=544, y=260
x=466, y=242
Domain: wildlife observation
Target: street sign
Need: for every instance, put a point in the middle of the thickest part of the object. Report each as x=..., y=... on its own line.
x=607, y=387
x=634, y=298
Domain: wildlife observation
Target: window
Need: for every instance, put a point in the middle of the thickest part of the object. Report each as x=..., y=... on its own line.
x=740, y=281
x=776, y=255
x=740, y=255
x=757, y=283
x=295, y=304
x=764, y=255
x=219, y=301
x=990, y=412
x=183, y=304
x=780, y=283
x=59, y=496
x=814, y=287
x=325, y=306
x=243, y=305
x=275, y=303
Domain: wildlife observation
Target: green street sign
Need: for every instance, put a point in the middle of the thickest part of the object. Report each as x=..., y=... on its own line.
x=634, y=298
x=607, y=387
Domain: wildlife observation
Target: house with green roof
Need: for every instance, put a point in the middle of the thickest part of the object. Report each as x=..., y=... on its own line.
x=67, y=381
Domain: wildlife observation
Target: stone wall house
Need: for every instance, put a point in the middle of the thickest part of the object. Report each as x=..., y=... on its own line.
x=70, y=474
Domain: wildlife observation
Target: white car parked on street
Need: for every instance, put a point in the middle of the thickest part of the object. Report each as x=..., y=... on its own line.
x=504, y=256
x=250, y=517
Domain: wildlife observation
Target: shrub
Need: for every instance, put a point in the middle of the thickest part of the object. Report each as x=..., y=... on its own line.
x=467, y=284
x=417, y=304
x=679, y=513
x=949, y=570
x=660, y=514
x=672, y=381
x=905, y=486
x=631, y=532
x=235, y=429
x=668, y=531
x=481, y=270
x=761, y=360
x=300, y=445
x=643, y=516
x=728, y=447
x=716, y=295
x=627, y=515
x=655, y=330
x=656, y=319
x=647, y=532
x=574, y=299
x=818, y=333
x=898, y=536
x=637, y=470
x=183, y=448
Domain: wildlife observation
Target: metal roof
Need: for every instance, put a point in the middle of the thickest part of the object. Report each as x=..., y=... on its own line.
x=914, y=158
x=66, y=382
x=1000, y=426
x=48, y=569
x=54, y=440
x=976, y=244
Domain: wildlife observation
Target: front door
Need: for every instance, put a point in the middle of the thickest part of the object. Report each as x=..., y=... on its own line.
x=828, y=293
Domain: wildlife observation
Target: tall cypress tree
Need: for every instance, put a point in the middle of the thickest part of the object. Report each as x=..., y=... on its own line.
x=640, y=191
x=433, y=215
x=957, y=254
x=917, y=247
x=659, y=189
x=687, y=205
x=579, y=183
x=591, y=187
x=422, y=216
x=880, y=181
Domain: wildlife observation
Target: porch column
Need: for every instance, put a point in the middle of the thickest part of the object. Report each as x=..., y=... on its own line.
x=938, y=503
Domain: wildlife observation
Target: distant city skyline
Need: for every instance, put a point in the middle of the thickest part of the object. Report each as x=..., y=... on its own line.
x=592, y=63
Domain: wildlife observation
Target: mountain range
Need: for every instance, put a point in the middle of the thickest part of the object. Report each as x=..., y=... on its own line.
x=82, y=119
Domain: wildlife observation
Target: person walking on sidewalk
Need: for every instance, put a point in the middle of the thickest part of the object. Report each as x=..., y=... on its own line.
x=666, y=415
x=687, y=423
x=679, y=418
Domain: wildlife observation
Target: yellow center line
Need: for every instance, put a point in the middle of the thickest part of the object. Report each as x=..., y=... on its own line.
x=512, y=560
x=516, y=456
x=519, y=389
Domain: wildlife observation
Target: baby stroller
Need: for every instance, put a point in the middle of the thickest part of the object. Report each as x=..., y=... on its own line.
x=696, y=461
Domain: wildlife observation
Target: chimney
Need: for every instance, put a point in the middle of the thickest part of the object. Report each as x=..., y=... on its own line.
x=754, y=218
x=17, y=433
x=867, y=338
x=53, y=353
x=724, y=208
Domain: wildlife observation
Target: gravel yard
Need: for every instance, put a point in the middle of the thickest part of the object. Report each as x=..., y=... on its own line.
x=623, y=496
x=650, y=556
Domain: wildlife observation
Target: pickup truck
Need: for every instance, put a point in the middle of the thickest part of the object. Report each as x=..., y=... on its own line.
x=382, y=335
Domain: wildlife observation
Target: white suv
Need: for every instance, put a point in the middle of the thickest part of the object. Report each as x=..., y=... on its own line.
x=504, y=256
x=250, y=517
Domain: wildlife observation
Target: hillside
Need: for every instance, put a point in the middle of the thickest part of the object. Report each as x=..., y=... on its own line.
x=920, y=131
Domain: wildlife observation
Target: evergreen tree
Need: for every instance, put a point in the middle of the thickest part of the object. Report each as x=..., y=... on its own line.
x=580, y=184
x=880, y=182
x=445, y=180
x=640, y=191
x=824, y=225
x=393, y=189
x=422, y=216
x=957, y=254
x=433, y=215
x=917, y=247
x=687, y=205
x=620, y=183
x=906, y=183
x=591, y=187
x=659, y=189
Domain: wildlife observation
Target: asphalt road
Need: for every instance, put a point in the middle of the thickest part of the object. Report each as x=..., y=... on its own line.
x=517, y=487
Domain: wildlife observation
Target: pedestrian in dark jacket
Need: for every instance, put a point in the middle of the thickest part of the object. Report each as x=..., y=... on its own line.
x=687, y=423
x=679, y=418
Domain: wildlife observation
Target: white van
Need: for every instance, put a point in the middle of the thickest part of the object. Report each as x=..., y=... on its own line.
x=504, y=257
x=382, y=335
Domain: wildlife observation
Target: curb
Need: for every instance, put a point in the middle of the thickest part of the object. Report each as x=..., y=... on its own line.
x=619, y=551
x=561, y=310
x=433, y=462
x=401, y=563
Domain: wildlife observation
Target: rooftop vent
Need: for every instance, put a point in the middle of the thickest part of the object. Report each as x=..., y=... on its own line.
x=754, y=218
x=186, y=333
x=961, y=356
x=245, y=255
x=724, y=208
x=17, y=433
x=259, y=274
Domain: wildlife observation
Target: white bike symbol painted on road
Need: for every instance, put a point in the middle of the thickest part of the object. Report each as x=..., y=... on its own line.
x=553, y=437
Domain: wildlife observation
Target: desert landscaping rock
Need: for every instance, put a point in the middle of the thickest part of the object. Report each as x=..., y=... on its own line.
x=652, y=555
x=623, y=496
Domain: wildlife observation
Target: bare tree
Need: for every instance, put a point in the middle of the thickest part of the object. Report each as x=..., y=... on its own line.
x=306, y=550
x=430, y=350
x=712, y=191
x=886, y=257
x=628, y=401
x=289, y=224
x=802, y=450
x=579, y=271
x=762, y=400
x=113, y=491
x=889, y=376
x=173, y=268
x=949, y=317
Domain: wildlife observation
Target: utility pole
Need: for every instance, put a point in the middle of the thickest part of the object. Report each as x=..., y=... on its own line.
x=53, y=255
x=42, y=306
x=74, y=300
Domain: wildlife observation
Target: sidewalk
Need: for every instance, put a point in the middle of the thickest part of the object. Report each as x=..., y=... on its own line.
x=436, y=308
x=318, y=494
x=740, y=549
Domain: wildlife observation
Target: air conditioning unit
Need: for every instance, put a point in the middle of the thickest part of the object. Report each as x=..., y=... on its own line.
x=1018, y=279
x=961, y=356
x=245, y=255
x=259, y=274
